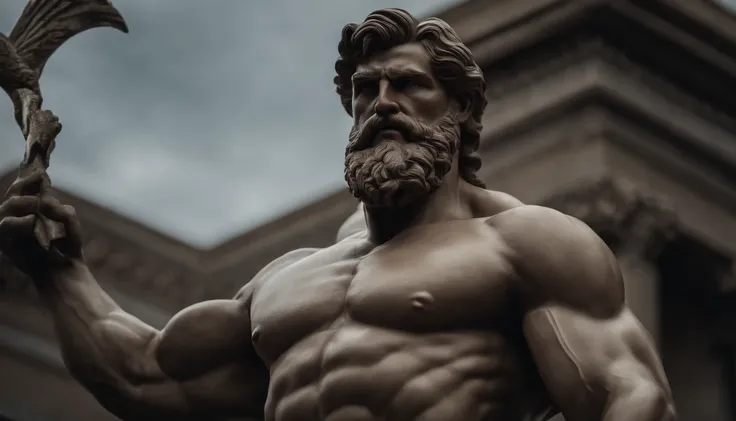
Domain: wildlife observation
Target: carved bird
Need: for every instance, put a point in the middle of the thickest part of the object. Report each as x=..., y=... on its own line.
x=44, y=25
x=41, y=29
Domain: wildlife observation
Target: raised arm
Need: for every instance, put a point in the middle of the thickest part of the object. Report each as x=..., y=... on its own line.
x=596, y=359
x=202, y=365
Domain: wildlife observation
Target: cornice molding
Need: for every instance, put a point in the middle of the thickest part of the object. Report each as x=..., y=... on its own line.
x=487, y=27
x=606, y=57
x=478, y=20
x=695, y=45
x=698, y=27
x=600, y=76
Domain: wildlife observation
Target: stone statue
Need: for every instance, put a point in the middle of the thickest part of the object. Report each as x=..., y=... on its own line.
x=451, y=303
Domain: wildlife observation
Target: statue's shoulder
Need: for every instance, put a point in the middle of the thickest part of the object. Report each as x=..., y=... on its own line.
x=545, y=236
x=488, y=203
x=276, y=266
x=286, y=260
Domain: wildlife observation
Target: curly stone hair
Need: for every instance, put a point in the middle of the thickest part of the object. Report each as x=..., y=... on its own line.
x=451, y=60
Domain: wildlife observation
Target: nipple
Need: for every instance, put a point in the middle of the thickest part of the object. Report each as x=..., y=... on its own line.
x=421, y=299
x=256, y=334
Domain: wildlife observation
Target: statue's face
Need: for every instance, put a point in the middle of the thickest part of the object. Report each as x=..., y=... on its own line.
x=404, y=134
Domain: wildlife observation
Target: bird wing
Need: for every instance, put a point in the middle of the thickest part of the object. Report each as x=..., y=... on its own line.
x=46, y=24
x=13, y=74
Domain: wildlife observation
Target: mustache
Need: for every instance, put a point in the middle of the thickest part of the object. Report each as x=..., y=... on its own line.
x=409, y=127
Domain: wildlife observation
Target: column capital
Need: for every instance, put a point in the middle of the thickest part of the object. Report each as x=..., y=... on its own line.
x=630, y=221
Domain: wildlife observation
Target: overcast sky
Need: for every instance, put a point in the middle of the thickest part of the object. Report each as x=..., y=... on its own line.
x=208, y=118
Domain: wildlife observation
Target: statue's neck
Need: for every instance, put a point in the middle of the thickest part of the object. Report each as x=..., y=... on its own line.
x=384, y=223
x=448, y=203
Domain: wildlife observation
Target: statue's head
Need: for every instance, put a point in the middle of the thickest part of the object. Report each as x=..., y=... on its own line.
x=416, y=97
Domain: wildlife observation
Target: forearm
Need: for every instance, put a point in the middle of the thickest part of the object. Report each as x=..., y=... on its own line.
x=642, y=403
x=100, y=343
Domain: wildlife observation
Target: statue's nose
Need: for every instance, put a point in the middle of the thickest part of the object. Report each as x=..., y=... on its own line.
x=385, y=103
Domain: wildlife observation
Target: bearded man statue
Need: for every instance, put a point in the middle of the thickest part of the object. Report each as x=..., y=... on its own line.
x=441, y=301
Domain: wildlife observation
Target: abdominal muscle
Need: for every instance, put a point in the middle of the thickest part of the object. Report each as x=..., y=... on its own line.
x=357, y=372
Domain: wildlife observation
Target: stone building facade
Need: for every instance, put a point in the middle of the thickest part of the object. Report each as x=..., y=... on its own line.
x=621, y=113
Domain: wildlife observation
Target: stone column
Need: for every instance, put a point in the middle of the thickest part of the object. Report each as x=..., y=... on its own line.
x=642, y=283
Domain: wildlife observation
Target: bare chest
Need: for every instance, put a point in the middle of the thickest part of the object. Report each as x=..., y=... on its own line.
x=442, y=278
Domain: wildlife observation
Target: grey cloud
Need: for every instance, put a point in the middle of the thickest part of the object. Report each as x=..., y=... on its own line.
x=208, y=117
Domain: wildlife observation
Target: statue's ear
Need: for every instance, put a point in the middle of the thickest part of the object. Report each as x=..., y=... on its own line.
x=463, y=107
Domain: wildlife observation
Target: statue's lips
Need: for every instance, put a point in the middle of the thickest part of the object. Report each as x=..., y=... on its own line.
x=389, y=134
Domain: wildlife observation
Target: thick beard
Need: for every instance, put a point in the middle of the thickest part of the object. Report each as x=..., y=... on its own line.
x=396, y=174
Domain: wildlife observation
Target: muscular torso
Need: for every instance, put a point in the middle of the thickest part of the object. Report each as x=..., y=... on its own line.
x=423, y=327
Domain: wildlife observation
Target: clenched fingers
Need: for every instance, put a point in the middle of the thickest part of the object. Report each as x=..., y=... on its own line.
x=14, y=226
x=50, y=207
x=19, y=206
x=54, y=210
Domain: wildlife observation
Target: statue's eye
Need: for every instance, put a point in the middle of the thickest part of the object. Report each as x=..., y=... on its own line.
x=403, y=84
x=365, y=87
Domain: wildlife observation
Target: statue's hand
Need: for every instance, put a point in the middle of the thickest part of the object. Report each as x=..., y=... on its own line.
x=18, y=215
